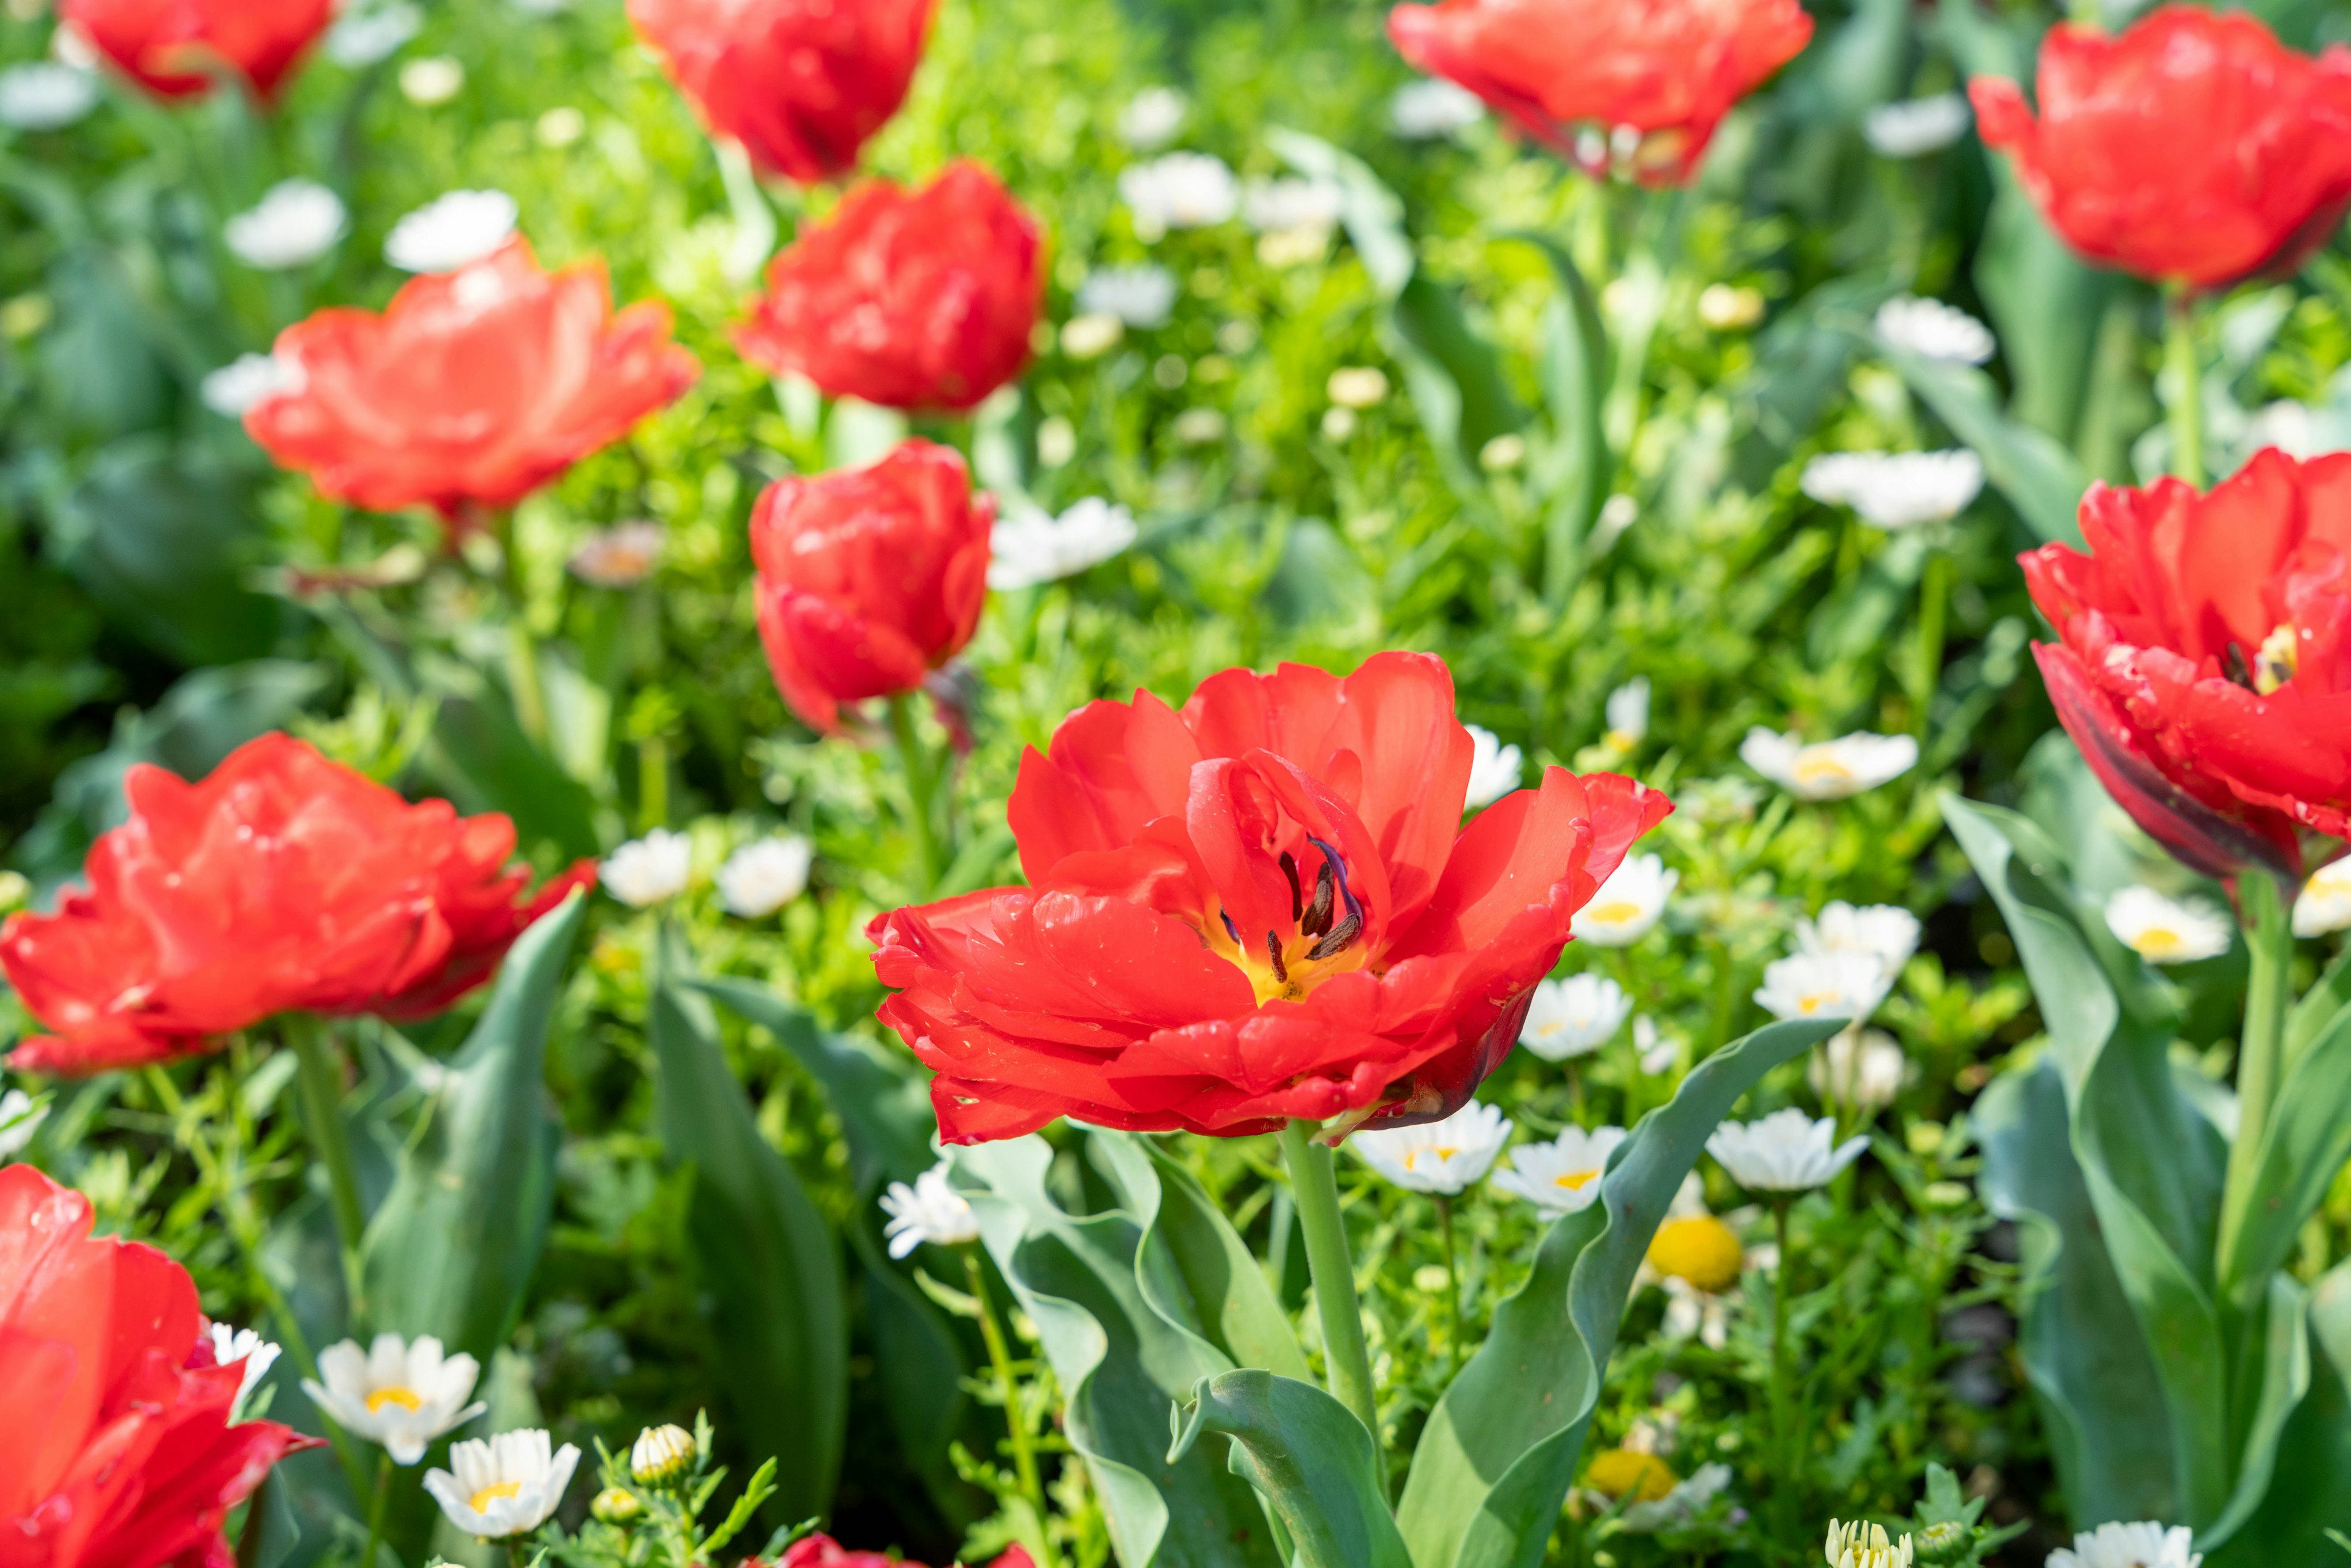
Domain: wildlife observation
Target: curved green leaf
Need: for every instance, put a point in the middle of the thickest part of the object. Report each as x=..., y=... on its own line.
x=1574, y=369
x=2041, y=479
x=2302, y=1149
x=1311, y=1460
x=2284, y=1379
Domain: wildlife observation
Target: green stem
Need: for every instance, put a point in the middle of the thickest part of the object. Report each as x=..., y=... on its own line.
x=522, y=648
x=319, y=1081
x=1315, y=1185
x=375, y=1511
x=922, y=791
x=2179, y=323
x=1782, y=1439
x=1934, y=602
x=653, y=783
x=2269, y=996
x=1016, y=1421
x=1452, y=1286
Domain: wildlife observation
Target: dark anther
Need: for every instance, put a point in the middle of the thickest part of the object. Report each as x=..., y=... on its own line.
x=1297, y=898
x=1337, y=942
x=1317, y=918
x=2233, y=663
x=1230, y=930
x=1338, y=867
x=1273, y=951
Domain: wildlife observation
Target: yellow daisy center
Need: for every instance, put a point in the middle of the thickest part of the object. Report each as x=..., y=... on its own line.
x=1811, y=1003
x=1620, y=1471
x=1574, y=1180
x=1616, y=914
x=1442, y=1152
x=1821, y=768
x=2157, y=942
x=1700, y=1249
x=406, y=1398
x=482, y=1499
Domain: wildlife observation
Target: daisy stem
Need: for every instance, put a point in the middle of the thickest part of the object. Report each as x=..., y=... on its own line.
x=1452, y=1285
x=1314, y=1187
x=2269, y=995
x=319, y=1081
x=1781, y=1289
x=2179, y=323
x=1934, y=600
x=375, y=1511
x=921, y=788
x=1016, y=1419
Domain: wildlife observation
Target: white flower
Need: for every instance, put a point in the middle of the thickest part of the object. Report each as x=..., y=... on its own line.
x=1829, y=769
x=2290, y=426
x=1089, y=337
x=432, y=81
x=243, y=1347
x=661, y=1453
x=236, y=389
x=1180, y=191
x=45, y=96
x=930, y=1210
x=1030, y=548
x=2166, y=930
x=20, y=1117
x=1274, y=206
x=1838, y=984
x=452, y=231
x=1445, y=1156
x=1887, y=931
x=1629, y=904
x=1425, y=111
x=762, y=877
x=2325, y=902
x=1138, y=295
x=1859, y=1545
x=1933, y=330
x=1787, y=1151
x=1864, y=1069
x=644, y=872
x=1656, y=1049
x=1574, y=1017
x=1679, y=1505
x=1896, y=490
x=1910, y=128
x=1493, y=767
x=620, y=556
x=1152, y=118
x=1562, y=1176
x=1357, y=386
x=360, y=37
x=295, y=224
x=2137, y=1545
x=398, y=1394
x=505, y=1487
x=1628, y=714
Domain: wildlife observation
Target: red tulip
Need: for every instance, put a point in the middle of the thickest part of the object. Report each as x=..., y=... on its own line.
x=474, y=388
x=1579, y=74
x=2204, y=660
x=924, y=299
x=1260, y=907
x=282, y=882
x=800, y=83
x=2194, y=148
x=171, y=46
x=118, y=1451
x=824, y=1552
x=869, y=578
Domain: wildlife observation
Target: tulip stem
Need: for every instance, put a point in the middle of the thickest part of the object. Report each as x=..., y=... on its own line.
x=2269, y=996
x=1016, y=1419
x=2179, y=324
x=922, y=791
x=375, y=1511
x=320, y=1080
x=1314, y=1187
x=522, y=648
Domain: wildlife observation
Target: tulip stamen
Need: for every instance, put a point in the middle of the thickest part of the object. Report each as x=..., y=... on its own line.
x=2232, y=664
x=1337, y=942
x=1273, y=951
x=1296, y=894
x=1316, y=920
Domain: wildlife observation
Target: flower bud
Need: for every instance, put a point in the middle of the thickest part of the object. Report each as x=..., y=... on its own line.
x=1944, y=1540
x=661, y=1454
x=616, y=1505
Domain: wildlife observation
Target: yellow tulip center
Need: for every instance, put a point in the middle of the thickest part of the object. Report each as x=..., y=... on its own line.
x=406, y=1398
x=2275, y=665
x=489, y=1494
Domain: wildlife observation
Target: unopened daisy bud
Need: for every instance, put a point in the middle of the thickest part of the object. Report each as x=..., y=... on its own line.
x=616, y=1505
x=1944, y=1540
x=661, y=1453
x=1860, y=1545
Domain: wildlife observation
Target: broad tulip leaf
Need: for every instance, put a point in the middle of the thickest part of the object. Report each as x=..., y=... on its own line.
x=486, y=763
x=1574, y=369
x=2284, y=1379
x=771, y=1263
x=1500, y=1451
x=1311, y=1461
x=453, y=1247
x=2041, y=479
x=2319, y=1007
x=2303, y=1148
x=2306, y=1494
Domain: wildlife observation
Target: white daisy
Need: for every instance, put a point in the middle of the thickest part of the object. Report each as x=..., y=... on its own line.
x=1629, y=904
x=661, y=1453
x=645, y=872
x=364, y=35
x=244, y=384
x=1562, y=1176
x=1446, y=1156
x=298, y=222
x=1887, y=931
x=452, y=231
x=1425, y=111
x=1357, y=386
x=1834, y=984
x=1151, y=119
x=1494, y=769
x=506, y=1487
x=930, y=1210
x=1034, y=547
x=620, y=556
x=432, y=81
x=2164, y=930
x=1276, y=206
x=1911, y=128
x=398, y=1394
x=1828, y=770
x=1787, y=1151
x=764, y=876
x=1628, y=714
x=21, y=1116
x=1142, y=297
x=1180, y=191
x=2325, y=902
x=243, y=1347
x=2135, y=1545
x=1933, y=330
x=45, y=96
x=1574, y=1017
x=1896, y=490
x=1656, y=1049
x=1091, y=337
x=1861, y=1068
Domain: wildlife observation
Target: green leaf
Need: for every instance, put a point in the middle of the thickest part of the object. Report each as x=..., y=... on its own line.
x=1574, y=369
x=2303, y=1148
x=271, y=1531
x=2048, y=305
x=482, y=757
x=1311, y=1460
x=2319, y=1007
x=1500, y=1451
x=2284, y=1379
x=2306, y=1500
x=770, y=1263
x=451, y=1249
x=2039, y=476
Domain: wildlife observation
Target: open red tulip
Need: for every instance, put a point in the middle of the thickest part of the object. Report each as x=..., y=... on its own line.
x=800, y=83
x=1260, y=907
x=2204, y=660
x=1581, y=74
x=820, y=1550
x=171, y=47
x=474, y=388
x=2193, y=148
x=118, y=1452
x=281, y=883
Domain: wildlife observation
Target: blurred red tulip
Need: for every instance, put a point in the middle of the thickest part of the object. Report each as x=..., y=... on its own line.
x=824, y=1552
x=2204, y=665
x=169, y=47
x=800, y=83
x=1262, y=906
x=474, y=388
x=1637, y=85
x=869, y=578
x=282, y=882
x=2194, y=148
x=920, y=299
x=118, y=1452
